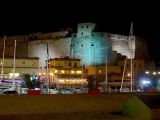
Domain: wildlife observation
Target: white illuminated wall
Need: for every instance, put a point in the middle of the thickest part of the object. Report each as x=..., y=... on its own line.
x=123, y=45
x=57, y=49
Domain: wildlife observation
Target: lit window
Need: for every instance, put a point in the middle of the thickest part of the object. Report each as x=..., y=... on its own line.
x=62, y=71
x=33, y=63
x=79, y=72
x=100, y=71
x=23, y=63
x=55, y=71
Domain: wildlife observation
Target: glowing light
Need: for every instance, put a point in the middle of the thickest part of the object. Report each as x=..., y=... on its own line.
x=16, y=74
x=147, y=72
x=154, y=73
x=78, y=72
x=55, y=71
x=62, y=71
x=146, y=82
x=72, y=72
x=39, y=73
x=51, y=73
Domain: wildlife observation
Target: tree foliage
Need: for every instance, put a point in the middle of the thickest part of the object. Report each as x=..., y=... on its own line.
x=31, y=83
x=91, y=82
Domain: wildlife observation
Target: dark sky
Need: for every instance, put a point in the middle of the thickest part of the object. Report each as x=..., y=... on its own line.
x=113, y=17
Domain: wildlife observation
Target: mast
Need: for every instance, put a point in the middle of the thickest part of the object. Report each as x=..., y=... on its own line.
x=82, y=63
x=121, y=90
x=130, y=38
x=106, y=72
x=3, y=58
x=14, y=63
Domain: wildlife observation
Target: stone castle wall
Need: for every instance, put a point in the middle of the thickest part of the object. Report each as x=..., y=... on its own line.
x=91, y=47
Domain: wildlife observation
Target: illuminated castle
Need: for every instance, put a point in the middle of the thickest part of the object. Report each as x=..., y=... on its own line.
x=87, y=44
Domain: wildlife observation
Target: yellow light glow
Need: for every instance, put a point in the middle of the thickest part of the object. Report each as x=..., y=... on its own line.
x=147, y=72
x=78, y=72
x=129, y=74
x=16, y=74
x=55, y=71
x=61, y=81
x=51, y=73
x=44, y=73
x=62, y=71
x=72, y=72
x=40, y=74
x=158, y=72
x=154, y=73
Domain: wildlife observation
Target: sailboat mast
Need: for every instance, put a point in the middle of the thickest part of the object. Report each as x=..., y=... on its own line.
x=14, y=63
x=3, y=57
x=131, y=35
x=106, y=72
x=121, y=89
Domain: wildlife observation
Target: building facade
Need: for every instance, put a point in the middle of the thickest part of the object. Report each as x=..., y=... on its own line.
x=23, y=66
x=91, y=47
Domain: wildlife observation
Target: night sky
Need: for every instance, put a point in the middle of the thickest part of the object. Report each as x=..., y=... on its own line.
x=113, y=17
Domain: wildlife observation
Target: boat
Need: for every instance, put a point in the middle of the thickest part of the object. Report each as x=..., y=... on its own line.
x=11, y=90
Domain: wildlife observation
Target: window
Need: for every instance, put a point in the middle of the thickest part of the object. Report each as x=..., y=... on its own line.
x=23, y=63
x=82, y=33
x=75, y=65
x=99, y=71
x=33, y=63
x=69, y=64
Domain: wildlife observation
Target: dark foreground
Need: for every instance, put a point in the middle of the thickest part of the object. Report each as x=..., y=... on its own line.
x=64, y=107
